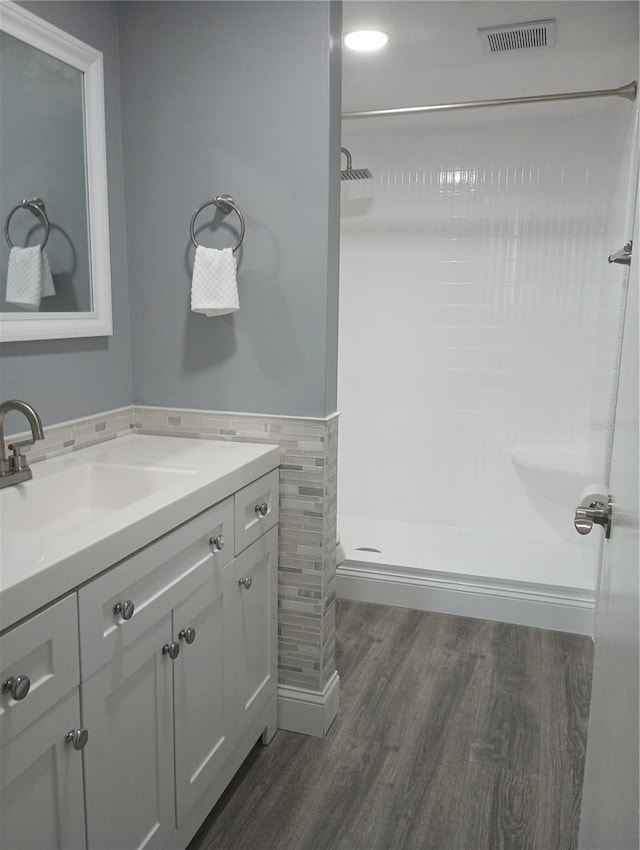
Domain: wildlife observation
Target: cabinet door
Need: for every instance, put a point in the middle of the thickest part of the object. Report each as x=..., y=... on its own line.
x=41, y=784
x=251, y=588
x=203, y=701
x=128, y=708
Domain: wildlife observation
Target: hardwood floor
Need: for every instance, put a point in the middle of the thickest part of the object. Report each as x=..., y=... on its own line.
x=453, y=734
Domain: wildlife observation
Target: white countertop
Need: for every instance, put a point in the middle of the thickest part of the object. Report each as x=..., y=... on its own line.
x=41, y=561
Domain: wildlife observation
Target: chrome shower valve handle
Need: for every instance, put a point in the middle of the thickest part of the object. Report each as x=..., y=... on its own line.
x=598, y=513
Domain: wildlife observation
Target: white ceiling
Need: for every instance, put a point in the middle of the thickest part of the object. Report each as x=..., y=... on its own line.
x=434, y=54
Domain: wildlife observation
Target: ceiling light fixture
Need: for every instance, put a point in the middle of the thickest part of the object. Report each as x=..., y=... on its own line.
x=365, y=40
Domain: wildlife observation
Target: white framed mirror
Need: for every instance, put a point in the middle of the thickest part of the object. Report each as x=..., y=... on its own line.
x=55, y=276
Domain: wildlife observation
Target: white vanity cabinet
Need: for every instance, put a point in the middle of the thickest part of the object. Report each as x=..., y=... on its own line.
x=173, y=697
x=167, y=660
x=178, y=661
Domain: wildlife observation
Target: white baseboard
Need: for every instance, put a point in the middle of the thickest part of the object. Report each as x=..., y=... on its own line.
x=562, y=609
x=308, y=712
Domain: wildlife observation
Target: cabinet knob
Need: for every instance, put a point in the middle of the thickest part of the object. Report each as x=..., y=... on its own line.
x=216, y=543
x=245, y=582
x=77, y=738
x=262, y=509
x=125, y=609
x=188, y=635
x=17, y=686
x=171, y=649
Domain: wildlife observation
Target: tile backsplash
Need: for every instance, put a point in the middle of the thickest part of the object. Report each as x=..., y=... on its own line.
x=79, y=433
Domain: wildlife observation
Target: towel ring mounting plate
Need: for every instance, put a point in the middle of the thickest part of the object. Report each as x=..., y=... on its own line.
x=36, y=207
x=225, y=204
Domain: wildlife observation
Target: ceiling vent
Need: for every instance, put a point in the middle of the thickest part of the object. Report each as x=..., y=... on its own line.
x=527, y=36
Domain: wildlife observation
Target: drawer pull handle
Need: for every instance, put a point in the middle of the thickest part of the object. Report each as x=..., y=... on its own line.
x=245, y=582
x=17, y=686
x=125, y=609
x=216, y=543
x=262, y=509
x=77, y=738
x=171, y=649
x=189, y=635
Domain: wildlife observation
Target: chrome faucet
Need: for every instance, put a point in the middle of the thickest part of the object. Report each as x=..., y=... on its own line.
x=15, y=469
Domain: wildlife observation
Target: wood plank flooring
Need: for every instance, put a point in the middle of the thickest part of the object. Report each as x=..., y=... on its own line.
x=453, y=734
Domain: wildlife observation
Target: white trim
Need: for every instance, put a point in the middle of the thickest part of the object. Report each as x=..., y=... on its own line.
x=523, y=603
x=235, y=413
x=42, y=35
x=309, y=712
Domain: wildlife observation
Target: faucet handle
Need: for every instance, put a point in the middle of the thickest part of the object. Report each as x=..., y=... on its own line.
x=15, y=447
x=18, y=461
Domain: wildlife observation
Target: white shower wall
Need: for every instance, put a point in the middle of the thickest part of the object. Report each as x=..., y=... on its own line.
x=479, y=329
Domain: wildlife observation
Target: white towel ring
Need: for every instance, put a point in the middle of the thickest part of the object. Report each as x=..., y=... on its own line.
x=36, y=207
x=225, y=204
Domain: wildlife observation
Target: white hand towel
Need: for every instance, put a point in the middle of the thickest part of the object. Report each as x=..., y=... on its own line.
x=28, y=277
x=214, y=289
x=47, y=278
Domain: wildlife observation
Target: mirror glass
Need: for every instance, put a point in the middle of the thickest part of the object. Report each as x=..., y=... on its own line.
x=42, y=157
x=54, y=248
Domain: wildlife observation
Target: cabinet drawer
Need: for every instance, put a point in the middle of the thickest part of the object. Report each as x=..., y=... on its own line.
x=257, y=507
x=153, y=580
x=45, y=649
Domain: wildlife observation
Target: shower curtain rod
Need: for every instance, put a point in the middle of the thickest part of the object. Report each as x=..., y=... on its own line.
x=629, y=92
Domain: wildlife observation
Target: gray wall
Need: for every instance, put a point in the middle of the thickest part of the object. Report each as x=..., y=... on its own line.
x=216, y=97
x=240, y=98
x=67, y=379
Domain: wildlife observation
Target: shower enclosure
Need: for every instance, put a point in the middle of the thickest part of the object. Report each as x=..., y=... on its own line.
x=480, y=326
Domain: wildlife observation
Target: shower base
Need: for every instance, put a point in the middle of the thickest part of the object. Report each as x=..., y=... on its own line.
x=545, y=582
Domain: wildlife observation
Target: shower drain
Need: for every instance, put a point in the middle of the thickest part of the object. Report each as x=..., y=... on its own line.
x=368, y=549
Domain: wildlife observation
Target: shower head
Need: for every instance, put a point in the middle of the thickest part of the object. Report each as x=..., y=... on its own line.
x=350, y=173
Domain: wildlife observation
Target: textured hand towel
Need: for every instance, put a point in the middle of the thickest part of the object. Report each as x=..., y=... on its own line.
x=214, y=289
x=28, y=277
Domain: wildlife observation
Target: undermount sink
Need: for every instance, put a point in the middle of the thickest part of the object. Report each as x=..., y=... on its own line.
x=71, y=498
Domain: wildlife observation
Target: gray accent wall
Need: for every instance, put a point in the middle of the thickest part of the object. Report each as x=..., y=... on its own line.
x=239, y=98
x=68, y=379
x=206, y=98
